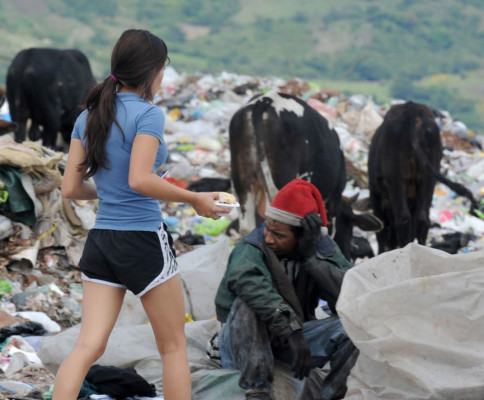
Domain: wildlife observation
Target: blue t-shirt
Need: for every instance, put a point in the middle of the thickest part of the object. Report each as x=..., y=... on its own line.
x=120, y=207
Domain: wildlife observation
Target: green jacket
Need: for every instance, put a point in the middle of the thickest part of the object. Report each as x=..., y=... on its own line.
x=248, y=277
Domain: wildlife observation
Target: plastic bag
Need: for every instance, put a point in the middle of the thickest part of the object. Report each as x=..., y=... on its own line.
x=416, y=315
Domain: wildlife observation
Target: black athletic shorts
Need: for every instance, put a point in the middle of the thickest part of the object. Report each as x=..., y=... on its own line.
x=135, y=260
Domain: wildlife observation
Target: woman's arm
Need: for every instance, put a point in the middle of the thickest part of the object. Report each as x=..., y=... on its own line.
x=144, y=181
x=73, y=184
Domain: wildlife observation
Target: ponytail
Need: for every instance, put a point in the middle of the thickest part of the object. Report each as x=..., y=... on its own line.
x=100, y=104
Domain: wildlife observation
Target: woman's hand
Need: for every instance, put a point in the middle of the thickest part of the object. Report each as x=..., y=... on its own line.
x=204, y=205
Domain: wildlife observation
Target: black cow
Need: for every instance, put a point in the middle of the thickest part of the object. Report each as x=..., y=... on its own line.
x=277, y=137
x=47, y=86
x=403, y=168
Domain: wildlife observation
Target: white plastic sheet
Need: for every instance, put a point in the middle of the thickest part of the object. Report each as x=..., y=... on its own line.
x=201, y=271
x=135, y=346
x=417, y=316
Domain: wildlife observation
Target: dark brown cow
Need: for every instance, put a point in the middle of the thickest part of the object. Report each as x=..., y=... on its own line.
x=403, y=168
x=277, y=137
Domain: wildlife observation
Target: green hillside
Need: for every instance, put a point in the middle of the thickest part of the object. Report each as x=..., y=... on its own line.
x=425, y=51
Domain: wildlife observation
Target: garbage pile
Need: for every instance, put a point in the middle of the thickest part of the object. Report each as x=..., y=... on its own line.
x=42, y=234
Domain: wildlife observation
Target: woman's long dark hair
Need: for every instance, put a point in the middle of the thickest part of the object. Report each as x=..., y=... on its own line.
x=137, y=58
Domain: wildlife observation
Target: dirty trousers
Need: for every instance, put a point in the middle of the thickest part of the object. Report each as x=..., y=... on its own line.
x=245, y=344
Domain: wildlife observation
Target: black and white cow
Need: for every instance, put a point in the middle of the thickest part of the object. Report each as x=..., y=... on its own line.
x=403, y=168
x=277, y=137
x=47, y=86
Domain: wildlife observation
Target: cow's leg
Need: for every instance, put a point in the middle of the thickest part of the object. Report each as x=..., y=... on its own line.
x=253, y=210
x=344, y=232
x=403, y=229
x=66, y=135
x=51, y=127
x=262, y=205
x=20, y=133
x=381, y=211
x=21, y=118
x=393, y=211
x=423, y=226
x=425, y=192
x=401, y=214
x=247, y=217
x=35, y=133
x=392, y=240
x=383, y=239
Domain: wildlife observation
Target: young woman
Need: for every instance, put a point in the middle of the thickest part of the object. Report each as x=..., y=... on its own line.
x=118, y=140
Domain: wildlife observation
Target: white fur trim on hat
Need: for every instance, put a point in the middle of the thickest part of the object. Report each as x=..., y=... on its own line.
x=287, y=218
x=283, y=216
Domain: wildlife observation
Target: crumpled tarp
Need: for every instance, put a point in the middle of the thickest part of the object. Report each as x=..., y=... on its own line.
x=202, y=270
x=209, y=381
x=416, y=315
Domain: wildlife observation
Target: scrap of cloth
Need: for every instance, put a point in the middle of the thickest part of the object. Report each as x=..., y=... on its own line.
x=19, y=201
x=119, y=382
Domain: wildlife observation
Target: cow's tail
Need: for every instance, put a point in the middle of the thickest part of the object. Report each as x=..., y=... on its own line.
x=461, y=190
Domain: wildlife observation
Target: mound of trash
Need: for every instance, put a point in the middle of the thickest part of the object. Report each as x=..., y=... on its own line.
x=42, y=234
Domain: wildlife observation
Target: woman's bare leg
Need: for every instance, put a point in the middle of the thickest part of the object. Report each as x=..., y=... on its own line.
x=164, y=305
x=100, y=309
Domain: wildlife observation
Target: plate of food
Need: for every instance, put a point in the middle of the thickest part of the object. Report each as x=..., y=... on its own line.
x=226, y=200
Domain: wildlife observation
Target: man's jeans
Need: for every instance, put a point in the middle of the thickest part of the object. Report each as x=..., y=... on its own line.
x=245, y=345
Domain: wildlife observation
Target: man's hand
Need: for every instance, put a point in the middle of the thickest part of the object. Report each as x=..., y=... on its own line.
x=301, y=364
x=311, y=225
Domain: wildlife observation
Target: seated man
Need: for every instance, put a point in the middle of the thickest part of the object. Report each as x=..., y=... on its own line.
x=267, y=298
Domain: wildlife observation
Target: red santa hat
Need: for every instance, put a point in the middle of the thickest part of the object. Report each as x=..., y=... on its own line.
x=294, y=201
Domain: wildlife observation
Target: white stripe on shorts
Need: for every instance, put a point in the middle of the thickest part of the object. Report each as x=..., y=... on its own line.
x=170, y=266
x=86, y=278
